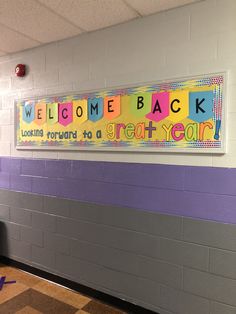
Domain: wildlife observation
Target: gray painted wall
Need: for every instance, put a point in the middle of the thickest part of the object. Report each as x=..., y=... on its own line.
x=165, y=263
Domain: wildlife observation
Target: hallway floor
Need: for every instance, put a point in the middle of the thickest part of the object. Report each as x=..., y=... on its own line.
x=33, y=295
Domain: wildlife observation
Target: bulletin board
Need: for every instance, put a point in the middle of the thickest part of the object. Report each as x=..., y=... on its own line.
x=185, y=115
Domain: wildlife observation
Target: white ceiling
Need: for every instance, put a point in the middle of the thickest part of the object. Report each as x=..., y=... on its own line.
x=29, y=23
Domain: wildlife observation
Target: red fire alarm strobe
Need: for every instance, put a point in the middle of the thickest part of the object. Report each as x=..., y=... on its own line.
x=20, y=70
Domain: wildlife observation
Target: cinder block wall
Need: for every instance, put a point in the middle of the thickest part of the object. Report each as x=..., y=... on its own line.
x=154, y=229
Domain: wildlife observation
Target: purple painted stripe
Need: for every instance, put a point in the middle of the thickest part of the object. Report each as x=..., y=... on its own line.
x=211, y=180
x=32, y=167
x=200, y=192
x=20, y=183
x=58, y=168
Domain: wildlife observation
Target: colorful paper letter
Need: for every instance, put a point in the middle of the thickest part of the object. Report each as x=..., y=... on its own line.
x=65, y=113
x=140, y=104
x=201, y=106
x=40, y=113
x=191, y=132
x=28, y=112
x=179, y=107
x=111, y=107
x=95, y=109
x=177, y=132
x=160, y=107
x=80, y=110
x=52, y=113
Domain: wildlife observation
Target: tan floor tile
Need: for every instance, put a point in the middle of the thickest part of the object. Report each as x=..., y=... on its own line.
x=72, y=298
x=81, y=312
x=5, y=269
x=19, y=275
x=11, y=290
x=28, y=310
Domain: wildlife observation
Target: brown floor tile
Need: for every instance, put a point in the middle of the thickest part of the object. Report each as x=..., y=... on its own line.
x=95, y=307
x=81, y=312
x=9, y=291
x=16, y=303
x=62, y=294
x=28, y=310
x=38, y=301
x=19, y=275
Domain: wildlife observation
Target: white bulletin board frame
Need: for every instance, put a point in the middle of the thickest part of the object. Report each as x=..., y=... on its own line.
x=179, y=84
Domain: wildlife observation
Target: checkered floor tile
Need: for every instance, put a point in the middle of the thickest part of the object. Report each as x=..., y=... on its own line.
x=33, y=295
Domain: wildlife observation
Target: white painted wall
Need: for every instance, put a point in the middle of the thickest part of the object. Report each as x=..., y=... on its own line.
x=188, y=41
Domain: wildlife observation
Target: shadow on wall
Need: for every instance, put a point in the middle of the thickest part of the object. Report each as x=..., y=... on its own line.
x=3, y=240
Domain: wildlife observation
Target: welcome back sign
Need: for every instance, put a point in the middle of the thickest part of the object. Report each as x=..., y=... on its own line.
x=182, y=115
